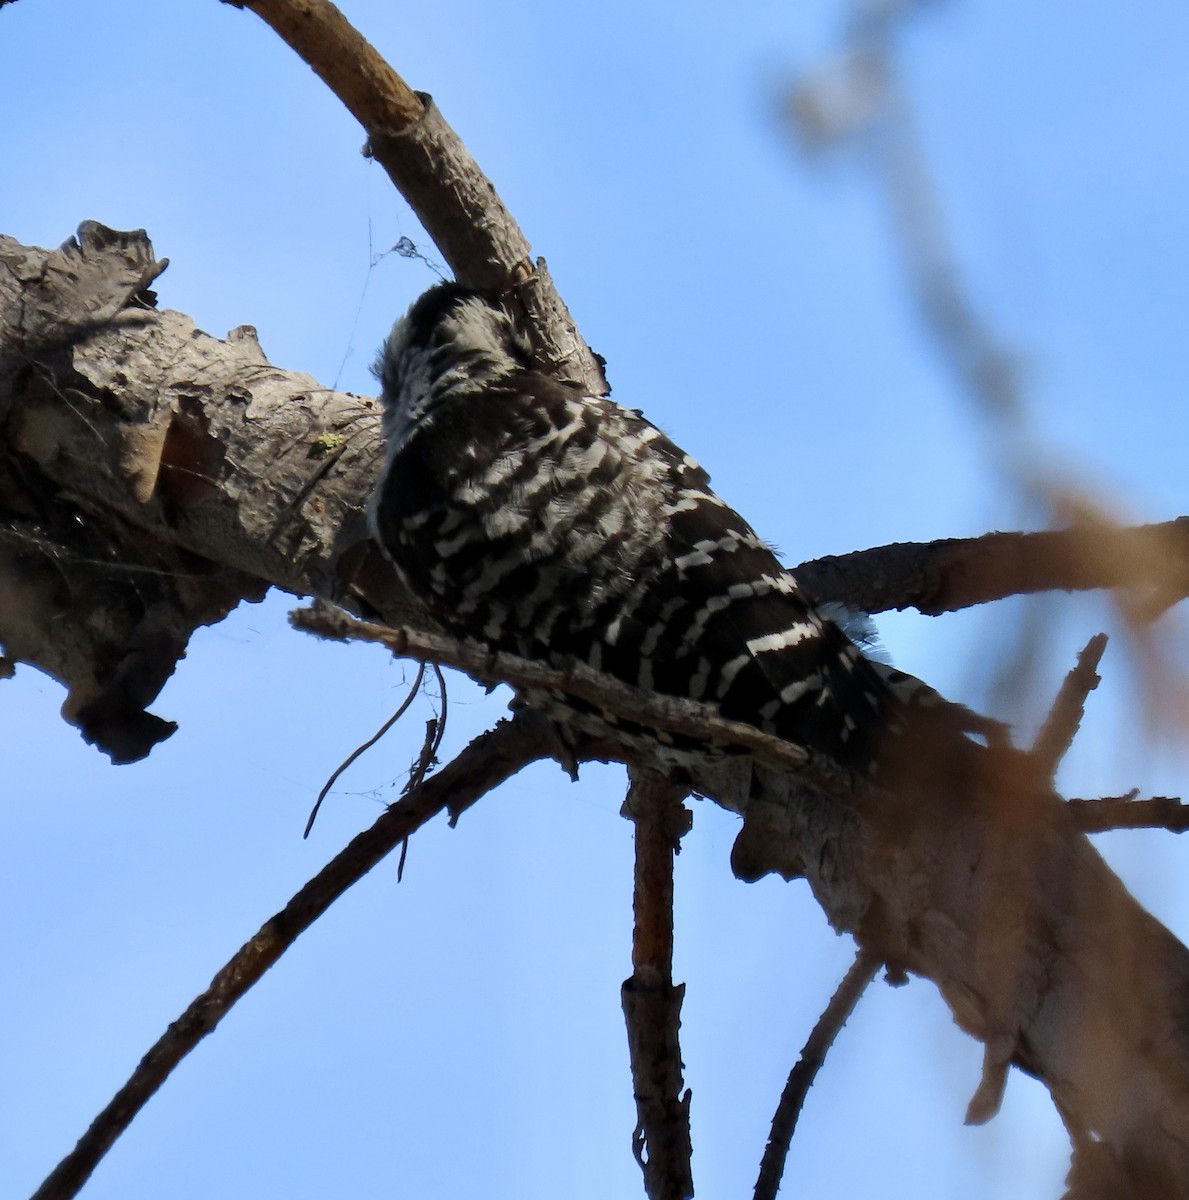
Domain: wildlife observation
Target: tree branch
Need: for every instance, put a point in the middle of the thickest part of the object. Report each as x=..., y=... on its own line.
x=1071, y=980
x=177, y=527
x=784, y=1121
x=435, y=172
x=698, y=722
x=651, y=1002
x=1065, y=715
x=376, y=96
x=1104, y=813
x=955, y=573
x=168, y=479
x=489, y=760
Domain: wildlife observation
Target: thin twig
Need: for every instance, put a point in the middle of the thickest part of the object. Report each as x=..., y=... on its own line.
x=392, y=720
x=486, y=762
x=1065, y=716
x=862, y=971
x=434, y=731
x=651, y=1003
x=441, y=730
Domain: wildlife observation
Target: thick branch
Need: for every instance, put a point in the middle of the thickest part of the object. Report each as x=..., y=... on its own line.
x=203, y=474
x=434, y=171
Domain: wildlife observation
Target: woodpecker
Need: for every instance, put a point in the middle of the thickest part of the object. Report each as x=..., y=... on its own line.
x=562, y=527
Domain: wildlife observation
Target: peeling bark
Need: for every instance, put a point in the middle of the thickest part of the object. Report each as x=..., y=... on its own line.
x=152, y=477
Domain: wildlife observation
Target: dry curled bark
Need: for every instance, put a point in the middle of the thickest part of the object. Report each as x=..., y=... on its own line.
x=138, y=499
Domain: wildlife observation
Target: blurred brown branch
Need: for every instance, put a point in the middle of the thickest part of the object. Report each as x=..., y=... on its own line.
x=984, y=886
x=1065, y=716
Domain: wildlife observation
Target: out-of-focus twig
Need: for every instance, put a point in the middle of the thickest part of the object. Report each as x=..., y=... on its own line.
x=857, y=100
x=1065, y=716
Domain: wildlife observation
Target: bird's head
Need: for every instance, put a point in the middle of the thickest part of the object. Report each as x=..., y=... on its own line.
x=453, y=340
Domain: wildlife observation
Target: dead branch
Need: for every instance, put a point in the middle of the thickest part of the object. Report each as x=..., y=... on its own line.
x=1104, y=813
x=955, y=573
x=1078, y=985
x=689, y=718
x=83, y=483
x=1036, y=946
x=1015, y=910
x=489, y=760
x=651, y=1002
x=784, y=1121
x=434, y=171
x=1065, y=715
x=137, y=504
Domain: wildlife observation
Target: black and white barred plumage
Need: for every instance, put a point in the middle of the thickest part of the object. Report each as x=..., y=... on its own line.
x=560, y=526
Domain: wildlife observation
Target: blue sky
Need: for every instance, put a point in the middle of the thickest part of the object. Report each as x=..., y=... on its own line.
x=460, y=1034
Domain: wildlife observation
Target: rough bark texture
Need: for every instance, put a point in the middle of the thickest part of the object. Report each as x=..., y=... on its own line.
x=954, y=573
x=651, y=1001
x=151, y=476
